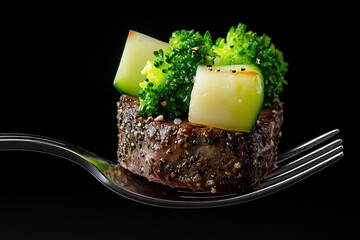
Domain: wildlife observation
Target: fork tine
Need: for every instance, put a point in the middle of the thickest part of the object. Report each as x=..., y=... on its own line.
x=313, y=165
x=305, y=146
x=305, y=158
x=199, y=195
x=208, y=197
x=266, y=189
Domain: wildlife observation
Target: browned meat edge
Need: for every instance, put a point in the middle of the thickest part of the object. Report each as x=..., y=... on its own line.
x=185, y=155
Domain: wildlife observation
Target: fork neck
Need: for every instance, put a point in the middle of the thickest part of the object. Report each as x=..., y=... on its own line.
x=35, y=143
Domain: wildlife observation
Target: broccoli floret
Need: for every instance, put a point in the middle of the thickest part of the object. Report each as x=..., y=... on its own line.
x=168, y=84
x=167, y=87
x=242, y=47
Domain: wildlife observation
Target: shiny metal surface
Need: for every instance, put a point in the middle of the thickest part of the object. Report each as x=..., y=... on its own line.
x=292, y=167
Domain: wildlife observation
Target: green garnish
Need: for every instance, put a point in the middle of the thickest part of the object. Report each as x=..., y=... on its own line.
x=242, y=47
x=168, y=84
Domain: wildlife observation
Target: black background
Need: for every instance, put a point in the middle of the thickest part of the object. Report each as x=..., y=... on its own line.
x=56, y=80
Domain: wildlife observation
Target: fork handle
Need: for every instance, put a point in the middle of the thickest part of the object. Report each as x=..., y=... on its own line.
x=35, y=143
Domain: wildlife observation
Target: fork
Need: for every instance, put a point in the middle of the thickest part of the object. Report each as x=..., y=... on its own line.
x=292, y=166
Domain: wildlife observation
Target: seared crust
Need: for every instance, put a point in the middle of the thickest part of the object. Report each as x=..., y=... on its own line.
x=186, y=155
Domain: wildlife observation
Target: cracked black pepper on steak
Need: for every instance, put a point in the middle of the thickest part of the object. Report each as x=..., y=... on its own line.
x=180, y=154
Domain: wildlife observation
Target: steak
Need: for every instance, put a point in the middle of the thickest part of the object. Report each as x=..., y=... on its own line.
x=180, y=154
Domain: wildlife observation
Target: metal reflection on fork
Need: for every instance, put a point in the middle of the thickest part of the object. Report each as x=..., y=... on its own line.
x=293, y=166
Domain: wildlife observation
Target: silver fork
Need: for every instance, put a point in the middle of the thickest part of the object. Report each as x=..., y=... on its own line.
x=293, y=166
